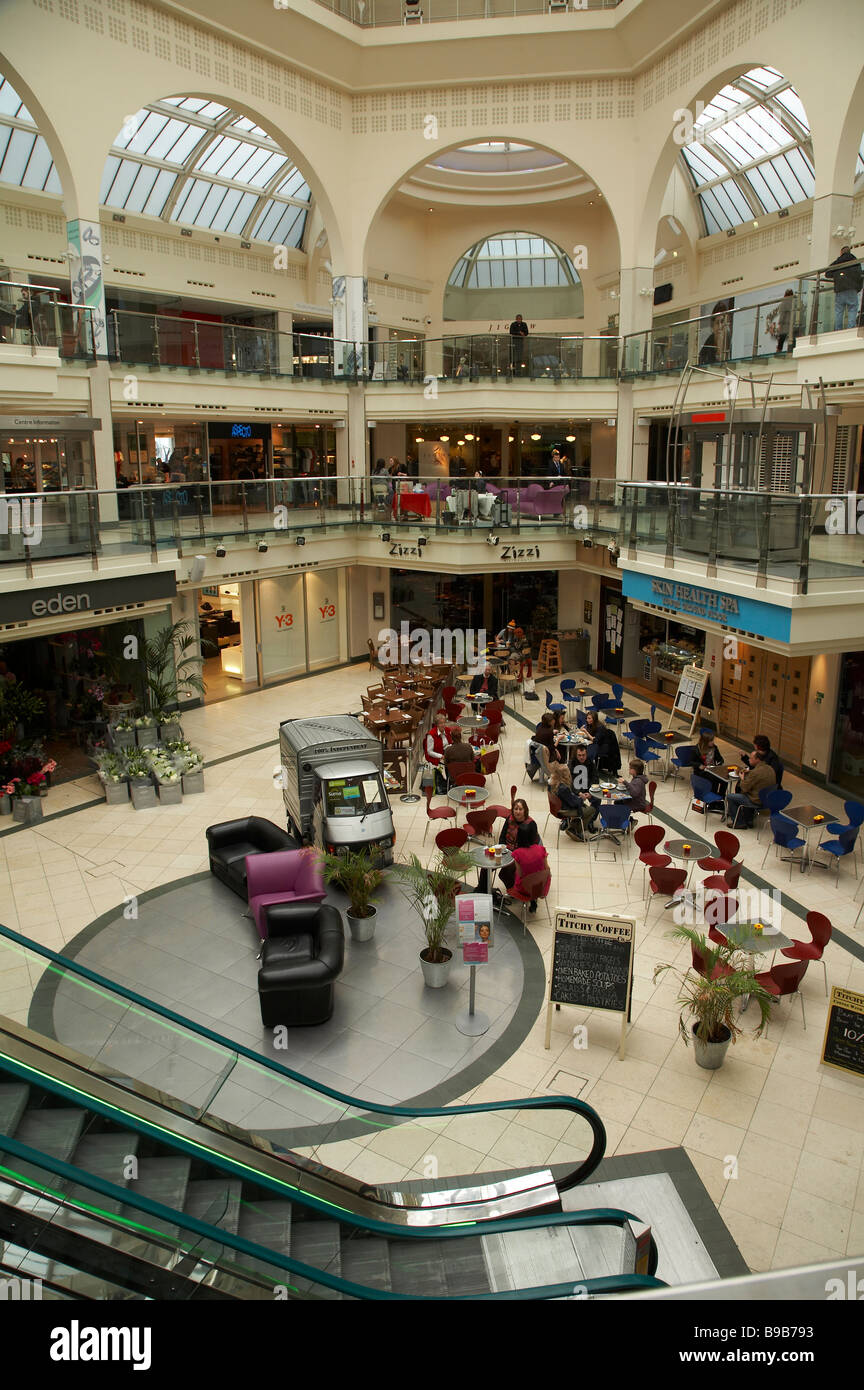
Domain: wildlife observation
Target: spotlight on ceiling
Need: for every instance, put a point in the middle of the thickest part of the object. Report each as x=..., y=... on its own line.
x=536, y=436
x=469, y=437
x=444, y=438
x=300, y=540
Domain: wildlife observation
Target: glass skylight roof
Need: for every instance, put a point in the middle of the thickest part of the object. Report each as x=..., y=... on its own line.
x=512, y=260
x=751, y=151
x=25, y=159
x=199, y=163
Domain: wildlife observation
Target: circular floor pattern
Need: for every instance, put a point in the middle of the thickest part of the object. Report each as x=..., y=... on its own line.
x=192, y=949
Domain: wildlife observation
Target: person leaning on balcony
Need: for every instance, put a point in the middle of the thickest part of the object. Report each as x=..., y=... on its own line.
x=786, y=323
x=847, y=281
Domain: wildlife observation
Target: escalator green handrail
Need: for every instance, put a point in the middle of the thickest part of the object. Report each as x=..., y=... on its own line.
x=126, y=1197
x=63, y=964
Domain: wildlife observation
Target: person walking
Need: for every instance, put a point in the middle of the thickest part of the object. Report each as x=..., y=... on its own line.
x=847, y=280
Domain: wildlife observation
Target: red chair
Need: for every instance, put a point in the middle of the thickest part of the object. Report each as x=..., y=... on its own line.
x=785, y=979
x=532, y=888
x=701, y=967
x=453, y=711
x=434, y=813
x=480, y=822
x=725, y=881
x=454, y=837
x=652, y=788
x=667, y=882
x=718, y=911
x=728, y=845
x=647, y=839
x=492, y=732
x=467, y=779
x=448, y=693
x=489, y=765
x=820, y=934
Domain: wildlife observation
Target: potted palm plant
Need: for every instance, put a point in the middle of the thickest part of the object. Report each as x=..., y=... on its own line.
x=172, y=666
x=357, y=873
x=432, y=893
x=707, y=999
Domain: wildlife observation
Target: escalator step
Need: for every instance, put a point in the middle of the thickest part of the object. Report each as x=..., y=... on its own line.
x=269, y=1224
x=216, y=1201
x=366, y=1260
x=163, y=1180
x=55, y=1132
x=465, y=1267
x=106, y=1156
x=13, y=1103
x=318, y=1243
x=418, y=1267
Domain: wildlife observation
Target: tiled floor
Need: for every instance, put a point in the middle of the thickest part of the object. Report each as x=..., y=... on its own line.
x=776, y=1138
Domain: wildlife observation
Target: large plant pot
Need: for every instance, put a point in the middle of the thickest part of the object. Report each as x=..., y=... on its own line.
x=170, y=733
x=710, y=1055
x=116, y=793
x=362, y=928
x=147, y=738
x=27, y=809
x=171, y=793
x=122, y=738
x=5, y=805
x=193, y=782
x=143, y=794
x=436, y=973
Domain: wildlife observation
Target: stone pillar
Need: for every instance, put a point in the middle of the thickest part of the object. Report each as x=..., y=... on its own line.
x=285, y=353
x=631, y=459
x=636, y=310
x=350, y=323
x=831, y=211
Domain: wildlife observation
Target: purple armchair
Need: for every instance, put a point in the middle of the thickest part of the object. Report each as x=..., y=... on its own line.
x=549, y=503
x=288, y=876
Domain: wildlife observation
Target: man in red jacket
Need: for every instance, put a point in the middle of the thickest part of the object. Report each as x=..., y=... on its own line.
x=434, y=744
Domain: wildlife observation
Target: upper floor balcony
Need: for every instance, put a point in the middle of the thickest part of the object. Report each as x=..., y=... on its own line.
x=376, y=14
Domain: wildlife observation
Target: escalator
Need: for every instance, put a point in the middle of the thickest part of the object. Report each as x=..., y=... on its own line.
x=124, y=1172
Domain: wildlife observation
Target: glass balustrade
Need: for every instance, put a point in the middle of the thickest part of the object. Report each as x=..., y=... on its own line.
x=710, y=340
x=34, y=316
x=830, y=299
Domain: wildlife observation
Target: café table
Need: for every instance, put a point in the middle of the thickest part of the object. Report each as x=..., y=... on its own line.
x=472, y=802
x=620, y=712
x=473, y=722
x=810, y=818
x=478, y=700
x=698, y=849
x=744, y=937
x=488, y=867
x=671, y=738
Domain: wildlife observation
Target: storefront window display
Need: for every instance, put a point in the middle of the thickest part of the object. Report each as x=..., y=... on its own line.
x=159, y=452
x=847, y=761
x=665, y=648
x=46, y=462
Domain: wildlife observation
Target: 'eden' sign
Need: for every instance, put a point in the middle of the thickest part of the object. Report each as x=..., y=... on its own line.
x=59, y=603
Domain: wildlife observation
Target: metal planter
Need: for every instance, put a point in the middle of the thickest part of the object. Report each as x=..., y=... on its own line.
x=116, y=793
x=143, y=794
x=27, y=809
x=122, y=738
x=193, y=782
x=170, y=793
x=147, y=738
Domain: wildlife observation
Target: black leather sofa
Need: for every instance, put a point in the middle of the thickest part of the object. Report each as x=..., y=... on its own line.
x=301, y=958
x=230, y=841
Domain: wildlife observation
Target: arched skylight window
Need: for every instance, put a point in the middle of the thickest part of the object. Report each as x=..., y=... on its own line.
x=513, y=260
x=751, y=151
x=199, y=163
x=25, y=159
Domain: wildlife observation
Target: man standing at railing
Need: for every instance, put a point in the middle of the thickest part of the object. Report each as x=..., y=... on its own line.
x=847, y=281
x=518, y=331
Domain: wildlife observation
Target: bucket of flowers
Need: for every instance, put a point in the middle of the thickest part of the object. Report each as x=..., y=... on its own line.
x=141, y=784
x=168, y=779
x=146, y=731
x=169, y=725
x=114, y=778
x=27, y=798
x=123, y=732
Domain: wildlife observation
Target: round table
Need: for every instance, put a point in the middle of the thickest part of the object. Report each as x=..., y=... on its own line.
x=609, y=793
x=473, y=721
x=488, y=866
x=457, y=794
x=479, y=700
x=743, y=937
x=620, y=712
x=698, y=850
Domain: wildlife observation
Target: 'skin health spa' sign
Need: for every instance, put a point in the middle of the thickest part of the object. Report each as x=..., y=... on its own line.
x=727, y=610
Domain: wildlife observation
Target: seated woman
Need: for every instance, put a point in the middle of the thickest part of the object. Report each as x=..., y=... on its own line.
x=708, y=755
x=576, y=797
x=519, y=832
x=545, y=734
x=559, y=722
x=604, y=745
x=637, y=786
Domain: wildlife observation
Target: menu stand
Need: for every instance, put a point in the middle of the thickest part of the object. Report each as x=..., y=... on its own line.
x=472, y=1024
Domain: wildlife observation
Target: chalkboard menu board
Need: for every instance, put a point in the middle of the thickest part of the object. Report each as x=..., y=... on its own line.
x=690, y=693
x=843, y=1044
x=592, y=962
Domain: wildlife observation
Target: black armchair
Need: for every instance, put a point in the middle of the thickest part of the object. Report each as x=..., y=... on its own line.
x=301, y=958
x=231, y=841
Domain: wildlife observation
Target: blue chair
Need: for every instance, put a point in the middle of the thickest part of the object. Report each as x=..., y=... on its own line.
x=704, y=792
x=567, y=687
x=855, y=812
x=785, y=832
x=685, y=755
x=839, y=848
x=581, y=718
x=552, y=705
x=644, y=750
x=615, y=819
x=773, y=799
x=617, y=699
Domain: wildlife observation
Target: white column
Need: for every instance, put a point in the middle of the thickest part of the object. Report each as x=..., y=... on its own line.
x=350, y=318
x=285, y=327
x=631, y=459
x=636, y=310
x=830, y=212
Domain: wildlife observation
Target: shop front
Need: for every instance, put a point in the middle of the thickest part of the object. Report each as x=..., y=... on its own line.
x=847, y=754
x=47, y=453
x=159, y=451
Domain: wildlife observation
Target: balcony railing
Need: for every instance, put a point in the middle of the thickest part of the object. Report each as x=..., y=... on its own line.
x=34, y=316
x=376, y=14
x=731, y=335
x=768, y=536
x=828, y=302
x=491, y=356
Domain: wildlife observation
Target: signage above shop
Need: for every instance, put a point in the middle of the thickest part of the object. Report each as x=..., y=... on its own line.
x=725, y=610
x=57, y=424
x=89, y=596
x=241, y=431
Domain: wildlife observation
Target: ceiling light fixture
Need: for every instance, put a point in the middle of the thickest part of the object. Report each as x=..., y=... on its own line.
x=469, y=437
x=571, y=438
x=536, y=436
x=444, y=438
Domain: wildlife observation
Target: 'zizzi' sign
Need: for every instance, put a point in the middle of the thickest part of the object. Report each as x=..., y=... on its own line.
x=703, y=602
